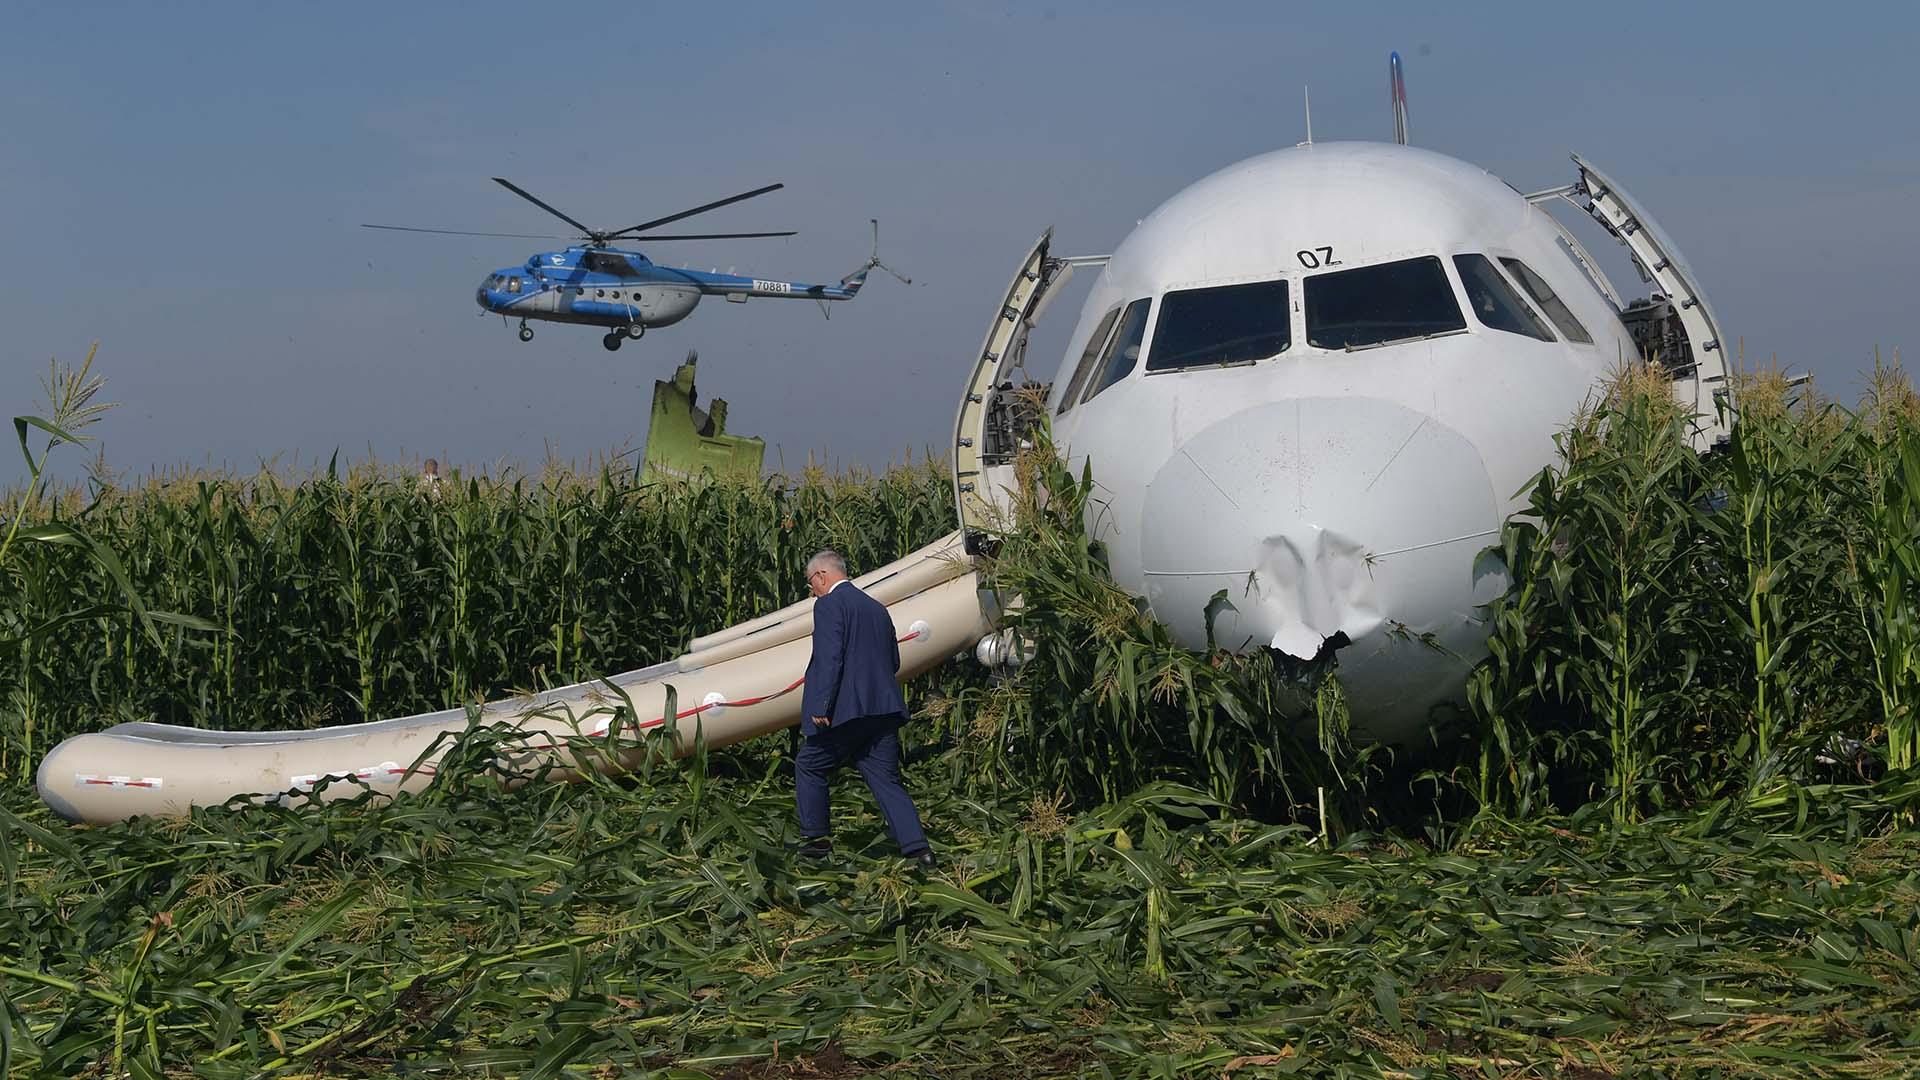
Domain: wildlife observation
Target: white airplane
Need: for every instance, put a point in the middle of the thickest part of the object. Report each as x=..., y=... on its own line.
x=1318, y=380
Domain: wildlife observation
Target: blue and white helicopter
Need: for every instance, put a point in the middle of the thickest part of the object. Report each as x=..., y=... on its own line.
x=597, y=285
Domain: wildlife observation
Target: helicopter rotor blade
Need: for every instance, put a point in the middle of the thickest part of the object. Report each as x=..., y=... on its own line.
x=715, y=205
x=464, y=232
x=648, y=239
x=523, y=193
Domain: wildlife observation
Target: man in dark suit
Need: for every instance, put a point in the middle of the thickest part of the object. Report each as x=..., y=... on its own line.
x=851, y=711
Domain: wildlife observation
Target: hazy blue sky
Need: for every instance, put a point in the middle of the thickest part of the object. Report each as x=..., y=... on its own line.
x=183, y=183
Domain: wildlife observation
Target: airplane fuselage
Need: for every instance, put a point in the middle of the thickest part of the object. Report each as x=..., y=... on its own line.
x=1317, y=380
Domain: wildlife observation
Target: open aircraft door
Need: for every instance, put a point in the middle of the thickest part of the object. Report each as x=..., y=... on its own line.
x=996, y=414
x=1676, y=326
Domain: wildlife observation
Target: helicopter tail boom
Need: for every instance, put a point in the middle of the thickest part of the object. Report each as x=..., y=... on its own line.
x=738, y=288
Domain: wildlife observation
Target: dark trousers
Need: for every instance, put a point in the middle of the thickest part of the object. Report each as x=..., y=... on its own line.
x=872, y=744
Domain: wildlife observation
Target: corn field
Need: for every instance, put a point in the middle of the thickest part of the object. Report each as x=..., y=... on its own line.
x=1671, y=833
x=360, y=595
x=1686, y=628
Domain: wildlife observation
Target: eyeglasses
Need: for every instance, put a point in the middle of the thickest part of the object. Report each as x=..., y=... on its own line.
x=815, y=574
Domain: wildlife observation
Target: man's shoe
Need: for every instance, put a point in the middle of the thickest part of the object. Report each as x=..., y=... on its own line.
x=924, y=861
x=815, y=850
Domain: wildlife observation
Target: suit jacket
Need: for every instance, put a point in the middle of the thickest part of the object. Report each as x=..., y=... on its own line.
x=856, y=661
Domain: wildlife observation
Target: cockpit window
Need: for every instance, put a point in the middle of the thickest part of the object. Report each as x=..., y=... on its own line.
x=1124, y=350
x=1087, y=356
x=1372, y=305
x=1494, y=302
x=1543, y=295
x=513, y=284
x=607, y=262
x=1227, y=324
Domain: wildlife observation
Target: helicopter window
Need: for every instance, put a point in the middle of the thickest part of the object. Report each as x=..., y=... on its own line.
x=1494, y=302
x=1087, y=357
x=1228, y=324
x=1124, y=350
x=607, y=262
x=1549, y=302
x=1373, y=305
x=513, y=284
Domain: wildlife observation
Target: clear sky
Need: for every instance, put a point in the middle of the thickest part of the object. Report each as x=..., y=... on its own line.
x=183, y=183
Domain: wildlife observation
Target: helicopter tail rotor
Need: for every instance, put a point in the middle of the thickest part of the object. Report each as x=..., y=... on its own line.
x=852, y=282
x=873, y=261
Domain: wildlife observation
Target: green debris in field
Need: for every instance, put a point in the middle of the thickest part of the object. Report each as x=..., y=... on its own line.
x=613, y=923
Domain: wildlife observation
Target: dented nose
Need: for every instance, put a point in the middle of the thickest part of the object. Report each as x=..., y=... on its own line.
x=1319, y=517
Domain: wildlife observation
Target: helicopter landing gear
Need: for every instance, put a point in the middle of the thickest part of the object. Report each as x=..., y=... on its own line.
x=526, y=332
x=612, y=340
x=636, y=330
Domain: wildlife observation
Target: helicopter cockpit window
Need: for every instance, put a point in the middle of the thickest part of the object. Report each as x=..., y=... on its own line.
x=1227, y=324
x=513, y=284
x=1494, y=302
x=1088, y=355
x=1124, y=350
x=1549, y=302
x=607, y=262
x=1373, y=305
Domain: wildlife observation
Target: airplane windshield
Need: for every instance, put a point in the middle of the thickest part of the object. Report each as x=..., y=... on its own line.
x=1124, y=350
x=1228, y=324
x=1494, y=302
x=1087, y=357
x=1373, y=305
x=1548, y=300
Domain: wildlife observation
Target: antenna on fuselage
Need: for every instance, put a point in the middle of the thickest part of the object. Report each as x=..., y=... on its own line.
x=1307, y=96
x=1398, y=85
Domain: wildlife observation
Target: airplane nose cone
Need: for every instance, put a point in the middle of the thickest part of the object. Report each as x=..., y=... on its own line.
x=1319, y=517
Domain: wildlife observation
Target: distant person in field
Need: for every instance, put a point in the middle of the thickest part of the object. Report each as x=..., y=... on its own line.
x=430, y=477
x=851, y=711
